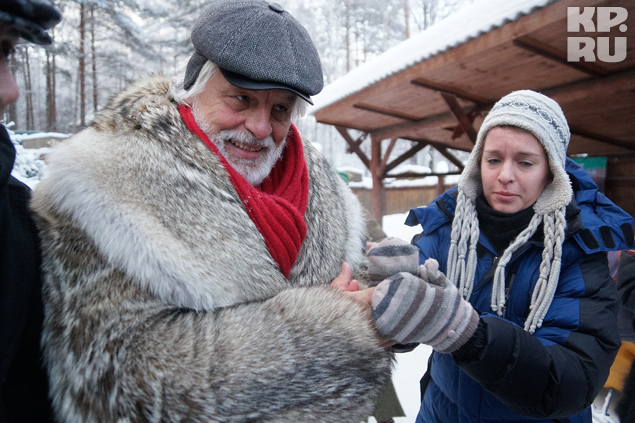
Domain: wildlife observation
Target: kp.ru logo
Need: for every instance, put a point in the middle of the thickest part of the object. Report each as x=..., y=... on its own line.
x=607, y=18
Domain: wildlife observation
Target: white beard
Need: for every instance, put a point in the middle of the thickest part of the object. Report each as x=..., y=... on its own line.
x=254, y=171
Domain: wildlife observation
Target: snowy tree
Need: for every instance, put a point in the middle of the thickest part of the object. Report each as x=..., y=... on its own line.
x=425, y=13
x=122, y=40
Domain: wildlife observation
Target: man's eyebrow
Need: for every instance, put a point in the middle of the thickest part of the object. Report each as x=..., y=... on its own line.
x=291, y=96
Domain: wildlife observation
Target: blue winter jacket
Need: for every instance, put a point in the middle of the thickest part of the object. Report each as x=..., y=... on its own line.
x=555, y=374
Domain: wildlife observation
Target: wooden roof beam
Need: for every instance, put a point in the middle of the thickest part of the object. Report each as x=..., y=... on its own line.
x=451, y=157
x=405, y=156
x=434, y=86
x=434, y=121
x=384, y=112
x=608, y=84
x=359, y=141
x=547, y=51
x=354, y=145
x=602, y=139
x=422, y=144
x=407, y=175
x=457, y=110
x=384, y=160
x=613, y=81
x=442, y=148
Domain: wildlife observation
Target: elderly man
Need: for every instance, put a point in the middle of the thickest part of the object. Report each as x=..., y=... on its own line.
x=190, y=237
x=23, y=382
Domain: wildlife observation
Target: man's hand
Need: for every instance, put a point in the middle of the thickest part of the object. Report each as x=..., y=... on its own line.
x=363, y=298
x=343, y=281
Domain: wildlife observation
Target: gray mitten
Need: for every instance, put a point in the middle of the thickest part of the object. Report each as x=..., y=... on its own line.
x=390, y=257
x=426, y=309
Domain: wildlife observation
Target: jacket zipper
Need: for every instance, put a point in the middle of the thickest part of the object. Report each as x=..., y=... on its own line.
x=508, y=284
x=508, y=288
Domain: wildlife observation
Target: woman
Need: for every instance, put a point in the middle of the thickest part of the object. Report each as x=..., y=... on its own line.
x=524, y=327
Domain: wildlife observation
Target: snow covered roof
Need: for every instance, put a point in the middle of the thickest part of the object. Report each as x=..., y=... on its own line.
x=470, y=22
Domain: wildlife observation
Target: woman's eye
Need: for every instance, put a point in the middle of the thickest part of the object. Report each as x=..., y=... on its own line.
x=281, y=108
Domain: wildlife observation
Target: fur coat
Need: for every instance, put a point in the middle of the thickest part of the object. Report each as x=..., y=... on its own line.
x=162, y=302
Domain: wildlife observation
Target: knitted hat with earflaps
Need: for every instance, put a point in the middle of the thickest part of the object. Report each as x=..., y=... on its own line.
x=543, y=118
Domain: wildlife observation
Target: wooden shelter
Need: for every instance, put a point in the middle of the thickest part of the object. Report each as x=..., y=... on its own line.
x=435, y=89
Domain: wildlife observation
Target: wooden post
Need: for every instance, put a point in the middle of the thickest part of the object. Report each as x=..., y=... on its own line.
x=441, y=185
x=379, y=192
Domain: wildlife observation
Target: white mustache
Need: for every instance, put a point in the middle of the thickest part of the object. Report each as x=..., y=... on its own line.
x=246, y=139
x=253, y=171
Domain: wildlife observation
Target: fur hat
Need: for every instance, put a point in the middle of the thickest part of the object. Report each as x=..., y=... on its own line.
x=543, y=118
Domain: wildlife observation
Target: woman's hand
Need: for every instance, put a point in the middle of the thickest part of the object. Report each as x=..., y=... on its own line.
x=445, y=323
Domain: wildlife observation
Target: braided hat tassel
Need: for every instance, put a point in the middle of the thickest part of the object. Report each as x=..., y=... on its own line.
x=544, y=291
x=498, y=287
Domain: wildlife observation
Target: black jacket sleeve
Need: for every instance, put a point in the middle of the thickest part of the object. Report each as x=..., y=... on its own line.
x=548, y=380
x=626, y=279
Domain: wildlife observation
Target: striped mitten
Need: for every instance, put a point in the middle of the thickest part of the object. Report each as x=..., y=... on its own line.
x=390, y=257
x=426, y=309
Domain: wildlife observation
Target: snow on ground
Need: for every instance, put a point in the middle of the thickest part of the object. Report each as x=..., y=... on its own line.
x=29, y=167
x=394, y=225
x=410, y=366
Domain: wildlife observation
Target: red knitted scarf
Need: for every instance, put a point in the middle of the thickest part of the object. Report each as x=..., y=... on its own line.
x=277, y=207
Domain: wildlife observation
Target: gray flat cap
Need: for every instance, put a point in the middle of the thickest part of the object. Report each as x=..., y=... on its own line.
x=31, y=18
x=256, y=45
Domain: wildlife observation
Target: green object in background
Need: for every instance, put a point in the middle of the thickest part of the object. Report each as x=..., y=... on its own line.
x=596, y=168
x=343, y=175
x=388, y=405
x=591, y=162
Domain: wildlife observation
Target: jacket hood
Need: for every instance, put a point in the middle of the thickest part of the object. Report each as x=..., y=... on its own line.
x=605, y=226
x=439, y=212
